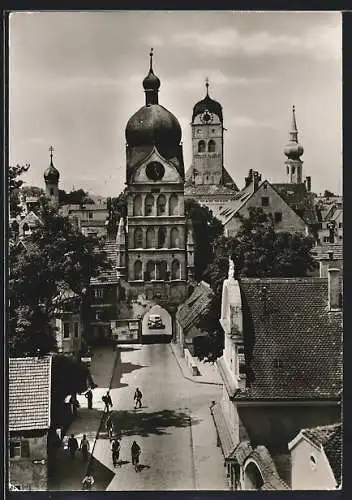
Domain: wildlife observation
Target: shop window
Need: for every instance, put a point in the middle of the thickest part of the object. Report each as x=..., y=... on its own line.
x=66, y=330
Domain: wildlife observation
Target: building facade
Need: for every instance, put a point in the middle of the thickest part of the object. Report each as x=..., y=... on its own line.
x=207, y=180
x=154, y=242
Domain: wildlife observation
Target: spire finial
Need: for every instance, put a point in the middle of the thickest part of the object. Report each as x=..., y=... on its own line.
x=151, y=59
x=207, y=84
x=51, y=149
x=294, y=124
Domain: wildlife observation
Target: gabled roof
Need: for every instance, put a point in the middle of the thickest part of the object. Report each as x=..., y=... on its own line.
x=293, y=344
x=192, y=309
x=299, y=199
x=108, y=276
x=323, y=251
x=29, y=393
x=328, y=437
x=31, y=219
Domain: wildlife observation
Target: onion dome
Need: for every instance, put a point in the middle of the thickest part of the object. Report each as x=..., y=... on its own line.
x=153, y=124
x=51, y=174
x=293, y=150
x=207, y=104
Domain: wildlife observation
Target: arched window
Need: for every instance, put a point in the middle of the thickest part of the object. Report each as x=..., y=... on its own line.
x=150, y=272
x=252, y=477
x=161, y=237
x=138, y=270
x=174, y=238
x=25, y=228
x=201, y=147
x=150, y=238
x=137, y=205
x=148, y=205
x=161, y=270
x=138, y=238
x=293, y=169
x=175, y=270
x=173, y=205
x=288, y=169
x=161, y=204
x=211, y=146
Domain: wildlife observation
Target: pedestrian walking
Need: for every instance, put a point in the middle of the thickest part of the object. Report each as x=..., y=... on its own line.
x=74, y=404
x=138, y=398
x=107, y=401
x=72, y=446
x=89, y=396
x=135, y=452
x=88, y=482
x=84, y=447
x=115, y=451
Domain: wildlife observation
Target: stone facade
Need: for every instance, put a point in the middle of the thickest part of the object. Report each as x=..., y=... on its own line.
x=28, y=461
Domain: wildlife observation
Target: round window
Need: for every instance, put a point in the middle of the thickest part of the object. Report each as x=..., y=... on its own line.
x=155, y=171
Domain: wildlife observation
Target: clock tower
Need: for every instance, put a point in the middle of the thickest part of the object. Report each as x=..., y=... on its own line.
x=156, y=238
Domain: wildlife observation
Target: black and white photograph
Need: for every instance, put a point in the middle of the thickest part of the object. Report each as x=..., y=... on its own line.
x=174, y=251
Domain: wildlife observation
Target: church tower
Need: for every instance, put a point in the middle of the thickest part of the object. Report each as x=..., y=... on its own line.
x=156, y=239
x=207, y=180
x=207, y=141
x=51, y=177
x=293, y=150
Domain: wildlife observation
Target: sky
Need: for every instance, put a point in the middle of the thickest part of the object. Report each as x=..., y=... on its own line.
x=75, y=78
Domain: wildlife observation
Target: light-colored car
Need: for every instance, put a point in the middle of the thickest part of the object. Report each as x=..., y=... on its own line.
x=155, y=321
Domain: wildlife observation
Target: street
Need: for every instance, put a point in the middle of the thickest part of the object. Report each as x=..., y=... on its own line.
x=174, y=427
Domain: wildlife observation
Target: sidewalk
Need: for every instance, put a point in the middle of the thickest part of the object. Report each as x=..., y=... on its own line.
x=208, y=372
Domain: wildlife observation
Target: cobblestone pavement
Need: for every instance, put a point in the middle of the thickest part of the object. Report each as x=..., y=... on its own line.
x=174, y=427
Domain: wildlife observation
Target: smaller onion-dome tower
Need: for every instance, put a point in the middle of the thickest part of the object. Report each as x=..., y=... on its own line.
x=293, y=150
x=51, y=178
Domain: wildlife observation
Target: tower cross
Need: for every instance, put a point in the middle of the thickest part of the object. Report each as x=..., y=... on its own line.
x=151, y=58
x=51, y=149
x=207, y=83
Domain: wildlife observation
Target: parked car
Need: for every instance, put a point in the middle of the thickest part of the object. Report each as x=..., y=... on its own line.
x=155, y=321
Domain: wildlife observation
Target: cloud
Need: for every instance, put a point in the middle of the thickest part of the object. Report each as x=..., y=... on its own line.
x=248, y=122
x=152, y=40
x=195, y=78
x=321, y=42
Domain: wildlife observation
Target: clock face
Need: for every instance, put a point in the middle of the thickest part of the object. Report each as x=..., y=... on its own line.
x=207, y=117
x=155, y=171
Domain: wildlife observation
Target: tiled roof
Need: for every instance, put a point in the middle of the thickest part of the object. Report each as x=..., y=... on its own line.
x=93, y=223
x=299, y=199
x=29, y=393
x=65, y=294
x=293, y=344
x=330, y=438
x=226, y=181
x=321, y=252
x=109, y=275
x=191, y=310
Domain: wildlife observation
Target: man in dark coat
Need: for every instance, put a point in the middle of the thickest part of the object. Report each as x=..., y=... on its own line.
x=107, y=401
x=72, y=446
x=89, y=396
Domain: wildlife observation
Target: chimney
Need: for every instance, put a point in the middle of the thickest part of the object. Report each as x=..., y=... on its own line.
x=334, y=289
x=248, y=179
x=255, y=181
x=308, y=183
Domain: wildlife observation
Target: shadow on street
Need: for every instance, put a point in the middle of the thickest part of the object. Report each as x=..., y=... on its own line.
x=131, y=423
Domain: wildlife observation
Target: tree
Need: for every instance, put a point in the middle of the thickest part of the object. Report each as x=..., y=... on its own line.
x=328, y=194
x=14, y=185
x=33, y=191
x=257, y=251
x=53, y=254
x=206, y=229
x=74, y=197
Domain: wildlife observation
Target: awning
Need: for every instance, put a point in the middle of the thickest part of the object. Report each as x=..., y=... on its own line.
x=226, y=441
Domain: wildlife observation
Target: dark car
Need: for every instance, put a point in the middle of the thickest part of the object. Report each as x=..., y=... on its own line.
x=155, y=322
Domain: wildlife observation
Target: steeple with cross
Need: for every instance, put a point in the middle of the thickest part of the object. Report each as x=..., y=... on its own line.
x=51, y=177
